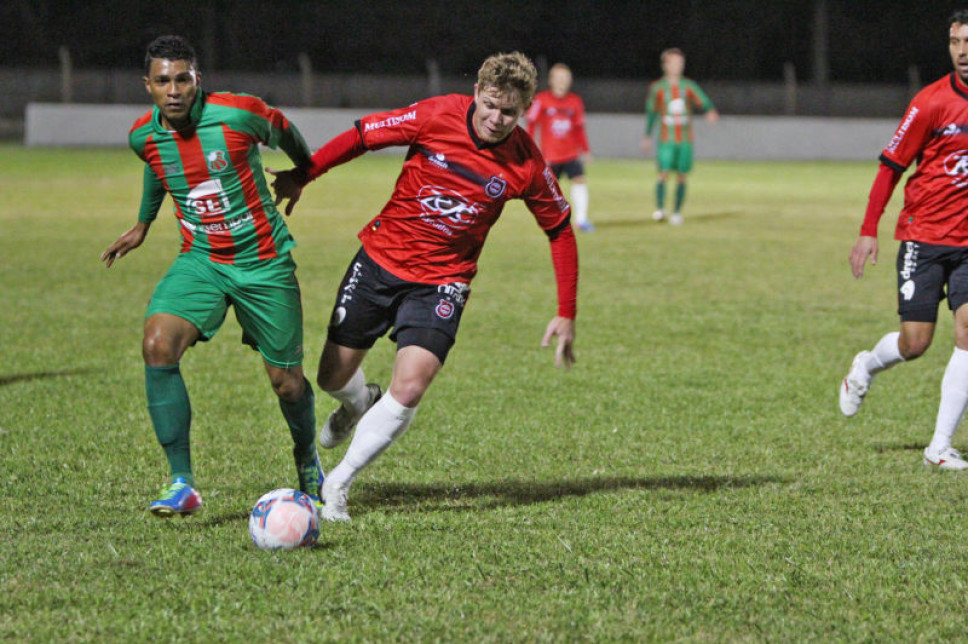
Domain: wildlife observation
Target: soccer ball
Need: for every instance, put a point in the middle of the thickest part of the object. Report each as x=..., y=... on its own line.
x=284, y=519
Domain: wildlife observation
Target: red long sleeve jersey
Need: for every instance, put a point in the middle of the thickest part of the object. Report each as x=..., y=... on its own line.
x=560, y=124
x=452, y=189
x=934, y=132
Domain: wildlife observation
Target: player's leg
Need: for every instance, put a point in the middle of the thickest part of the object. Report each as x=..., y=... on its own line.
x=187, y=306
x=954, y=384
x=341, y=376
x=665, y=158
x=921, y=278
x=579, y=195
x=683, y=166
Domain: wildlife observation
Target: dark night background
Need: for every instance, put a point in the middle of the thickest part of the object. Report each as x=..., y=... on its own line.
x=868, y=40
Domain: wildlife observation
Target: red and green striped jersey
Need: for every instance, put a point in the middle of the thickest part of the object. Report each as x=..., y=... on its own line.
x=213, y=172
x=672, y=103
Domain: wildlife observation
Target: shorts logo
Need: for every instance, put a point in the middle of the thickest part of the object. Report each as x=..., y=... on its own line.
x=495, y=187
x=956, y=166
x=444, y=310
x=216, y=161
x=907, y=290
x=339, y=314
x=910, y=260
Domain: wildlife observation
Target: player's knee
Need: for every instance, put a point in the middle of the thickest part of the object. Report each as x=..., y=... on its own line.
x=289, y=386
x=913, y=347
x=159, y=348
x=408, y=391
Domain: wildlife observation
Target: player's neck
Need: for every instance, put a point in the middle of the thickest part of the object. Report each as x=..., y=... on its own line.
x=673, y=79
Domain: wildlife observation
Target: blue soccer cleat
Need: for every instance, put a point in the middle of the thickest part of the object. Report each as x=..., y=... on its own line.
x=311, y=478
x=178, y=498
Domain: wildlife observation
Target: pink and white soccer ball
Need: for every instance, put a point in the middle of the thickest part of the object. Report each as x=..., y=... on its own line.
x=284, y=519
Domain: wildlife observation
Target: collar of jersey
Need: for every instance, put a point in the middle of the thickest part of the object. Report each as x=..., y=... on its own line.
x=194, y=116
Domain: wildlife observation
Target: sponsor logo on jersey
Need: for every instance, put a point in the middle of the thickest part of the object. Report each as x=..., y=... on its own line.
x=391, y=121
x=216, y=161
x=170, y=169
x=208, y=199
x=495, y=187
x=561, y=127
x=902, y=130
x=956, y=166
x=952, y=129
x=439, y=160
x=445, y=209
x=444, y=310
x=555, y=192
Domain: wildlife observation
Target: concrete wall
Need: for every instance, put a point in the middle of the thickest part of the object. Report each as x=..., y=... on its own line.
x=610, y=135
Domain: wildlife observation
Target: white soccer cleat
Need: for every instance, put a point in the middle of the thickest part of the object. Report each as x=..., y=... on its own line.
x=854, y=386
x=675, y=219
x=339, y=425
x=335, y=497
x=946, y=459
x=658, y=215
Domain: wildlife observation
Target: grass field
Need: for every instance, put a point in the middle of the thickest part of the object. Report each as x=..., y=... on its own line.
x=690, y=479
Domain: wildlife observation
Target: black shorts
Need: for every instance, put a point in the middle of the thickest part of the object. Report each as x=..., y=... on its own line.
x=926, y=274
x=371, y=300
x=570, y=169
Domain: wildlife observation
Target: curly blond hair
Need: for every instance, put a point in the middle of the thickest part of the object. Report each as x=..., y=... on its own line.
x=510, y=74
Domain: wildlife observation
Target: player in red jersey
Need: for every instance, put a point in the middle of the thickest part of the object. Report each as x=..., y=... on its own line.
x=932, y=262
x=557, y=116
x=466, y=159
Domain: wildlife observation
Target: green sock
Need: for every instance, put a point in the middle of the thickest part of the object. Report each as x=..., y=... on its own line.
x=680, y=195
x=660, y=194
x=171, y=415
x=301, y=417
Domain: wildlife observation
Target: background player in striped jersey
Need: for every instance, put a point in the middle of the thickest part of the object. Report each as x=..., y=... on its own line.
x=932, y=262
x=557, y=116
x=671, y=102
x=466, y=159
x=202, y=149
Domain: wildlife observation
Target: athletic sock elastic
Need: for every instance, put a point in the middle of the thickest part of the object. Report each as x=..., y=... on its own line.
x=680, y=195
x=884, y=355
x=579, y=201
x=379, y=427
x=171, y=416
x=660, y=195
x=301, y=417
x=954, y=399
x=354, y=395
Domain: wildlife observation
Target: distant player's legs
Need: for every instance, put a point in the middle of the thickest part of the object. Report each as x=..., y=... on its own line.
x=579, y=200
x=413, y=370
x=660, y=194
x=166, y=338
x=683, y=166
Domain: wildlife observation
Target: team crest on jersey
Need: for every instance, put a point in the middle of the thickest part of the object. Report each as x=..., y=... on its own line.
x=444, y=310
x=217, y=161
x=495, y=187
x=956, y=166
x=444, y=208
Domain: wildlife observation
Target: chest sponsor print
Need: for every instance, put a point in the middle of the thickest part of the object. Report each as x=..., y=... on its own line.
x=446, y=209
x=956, y=167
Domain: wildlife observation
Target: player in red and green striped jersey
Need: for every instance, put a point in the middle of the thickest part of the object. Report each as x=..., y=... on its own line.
x=672, y=101
x=202, y=149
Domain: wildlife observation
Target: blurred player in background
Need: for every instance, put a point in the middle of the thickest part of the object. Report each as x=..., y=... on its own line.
x=672, y=101
x=467, y=157
x=557, y=115
x=202, y=149
x=932, y=262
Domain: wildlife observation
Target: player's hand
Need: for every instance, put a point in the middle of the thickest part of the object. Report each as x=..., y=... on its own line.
x=126, y=242
x=863, y=248
x=564, y=328
x=712, y=116
x=286, y=187
x=587, y=158
x=646, y=144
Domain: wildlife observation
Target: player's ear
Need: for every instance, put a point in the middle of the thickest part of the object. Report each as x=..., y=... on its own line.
x=147, y=83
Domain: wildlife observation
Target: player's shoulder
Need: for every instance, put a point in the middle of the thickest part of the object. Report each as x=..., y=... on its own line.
x=142, y=121
x=238, y=100
x=141, y=130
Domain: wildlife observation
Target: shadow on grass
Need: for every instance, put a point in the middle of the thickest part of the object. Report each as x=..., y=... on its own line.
x=646, y=219
x=41, y=375
x=506, y=493
x=900, y=447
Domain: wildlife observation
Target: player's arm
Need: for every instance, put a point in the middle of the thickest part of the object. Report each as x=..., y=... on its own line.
x=549, y=207
x=580, y=131
x=888, y=175
x=651, y=116
x=152, y=194
x=702, y=103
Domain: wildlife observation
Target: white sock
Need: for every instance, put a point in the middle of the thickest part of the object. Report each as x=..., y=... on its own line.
x=354, y=395
x=579, y=201
x=378, y=428
x=884, y=355
x=954, y=399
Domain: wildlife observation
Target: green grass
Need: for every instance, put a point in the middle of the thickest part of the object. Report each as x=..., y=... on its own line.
x=690, y=479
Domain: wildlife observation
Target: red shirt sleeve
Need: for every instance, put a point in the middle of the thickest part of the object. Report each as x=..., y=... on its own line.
x=912, y=134
x=884, y=183
x=340, y=149
x=580, y=125
x=564, y=258
x=546, y=203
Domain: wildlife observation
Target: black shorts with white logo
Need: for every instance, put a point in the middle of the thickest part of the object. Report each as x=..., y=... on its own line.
x=371, y=301
x=570, y=169
x=926, y=274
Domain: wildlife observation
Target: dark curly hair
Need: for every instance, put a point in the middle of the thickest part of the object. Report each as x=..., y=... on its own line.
x=960, y=17
x=169, y=48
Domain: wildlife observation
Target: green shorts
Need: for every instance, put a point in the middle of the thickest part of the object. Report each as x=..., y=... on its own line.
x=265, y=297
x=674, y=156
